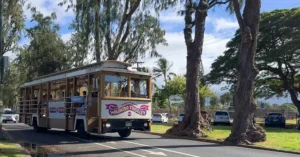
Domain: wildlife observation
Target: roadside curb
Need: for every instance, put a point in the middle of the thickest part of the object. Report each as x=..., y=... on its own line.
x=218, y=142
x=16, y=143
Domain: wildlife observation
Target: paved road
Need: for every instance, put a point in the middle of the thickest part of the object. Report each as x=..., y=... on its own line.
x=137, y=145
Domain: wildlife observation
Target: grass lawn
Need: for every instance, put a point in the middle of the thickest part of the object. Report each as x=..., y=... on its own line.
x=277, y=138
x=8, y=148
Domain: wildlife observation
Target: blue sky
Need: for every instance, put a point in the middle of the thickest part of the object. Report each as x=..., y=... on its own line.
x=220, y=27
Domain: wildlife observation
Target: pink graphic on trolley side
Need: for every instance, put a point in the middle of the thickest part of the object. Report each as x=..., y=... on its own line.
x=113, y=109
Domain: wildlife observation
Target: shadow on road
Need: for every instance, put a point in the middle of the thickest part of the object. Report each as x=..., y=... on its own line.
x=34, y=142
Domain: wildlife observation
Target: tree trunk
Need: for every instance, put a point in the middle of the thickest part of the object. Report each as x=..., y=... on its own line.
x=243, y=129
x=170, y=105
x=97, y=32
x=191, y=124
x=294, y=98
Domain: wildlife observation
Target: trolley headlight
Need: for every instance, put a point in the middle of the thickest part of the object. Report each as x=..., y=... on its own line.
x=145, y=124
x=107, y=125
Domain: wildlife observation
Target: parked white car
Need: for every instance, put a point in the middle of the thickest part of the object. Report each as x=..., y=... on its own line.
x=160, y=118
x=222, y=117
x=10, y=116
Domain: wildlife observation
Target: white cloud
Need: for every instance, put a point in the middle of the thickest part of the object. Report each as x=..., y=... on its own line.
x=171, y=18
x=46, y=7
x=66, y=37
x=176, y=51
x=224, y=24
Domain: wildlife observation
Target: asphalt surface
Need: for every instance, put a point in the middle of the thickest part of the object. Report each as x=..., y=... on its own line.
x=137, y=145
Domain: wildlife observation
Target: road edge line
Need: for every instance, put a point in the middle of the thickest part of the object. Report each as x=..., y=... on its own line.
x=87, y=141
x=217, y=142
x=163, y=149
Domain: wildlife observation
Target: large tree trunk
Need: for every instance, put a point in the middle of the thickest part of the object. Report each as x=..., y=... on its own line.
x=243, y=130
x=191, y=124
x=97, y=32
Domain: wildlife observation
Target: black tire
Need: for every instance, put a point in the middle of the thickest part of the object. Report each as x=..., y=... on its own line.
x=80, y=131
x=215, y=123
x=124, y=133
x=36, y=128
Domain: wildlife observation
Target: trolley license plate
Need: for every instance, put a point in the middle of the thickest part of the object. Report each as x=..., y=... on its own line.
x=128, y=123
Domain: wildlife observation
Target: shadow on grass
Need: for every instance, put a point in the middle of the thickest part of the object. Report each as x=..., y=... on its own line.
x=9, y=149
x=287, y=129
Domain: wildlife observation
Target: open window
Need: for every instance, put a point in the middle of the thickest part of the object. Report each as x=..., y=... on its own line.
x=139, y=87
x=115, y=86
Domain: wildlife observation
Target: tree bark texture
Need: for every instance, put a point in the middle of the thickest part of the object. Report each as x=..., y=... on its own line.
x=192, y=121
x=97, y=32
x=243, y=130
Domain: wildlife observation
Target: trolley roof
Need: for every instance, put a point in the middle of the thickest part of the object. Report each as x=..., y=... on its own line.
x=109, y=65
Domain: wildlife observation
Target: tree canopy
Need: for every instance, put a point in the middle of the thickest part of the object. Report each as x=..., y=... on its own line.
x=124, y=30
x=277, y=59
x=13, y=24
x=46, y=52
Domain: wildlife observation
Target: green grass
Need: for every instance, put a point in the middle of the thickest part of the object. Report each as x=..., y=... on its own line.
x=277, y=138
x=8, y=149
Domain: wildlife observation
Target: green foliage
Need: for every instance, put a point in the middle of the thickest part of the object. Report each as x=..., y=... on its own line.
x=13, y=24
x=214, y=103
x=118, y=29
x=289, y=107
x=9, y=89
x=76, y=51
x=159, y=99
x=176, y=86
x=46, y=53
x=278, y=54
x=226, y=99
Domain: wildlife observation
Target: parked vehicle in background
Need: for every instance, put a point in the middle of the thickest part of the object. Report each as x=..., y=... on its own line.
x=275, y=119
x=160, y=118
x=180, y=118
x=222, y=117
x=204, y=115
x=10, y=116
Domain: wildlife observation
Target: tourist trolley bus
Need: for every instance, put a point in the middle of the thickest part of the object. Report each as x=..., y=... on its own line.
x=100, y=98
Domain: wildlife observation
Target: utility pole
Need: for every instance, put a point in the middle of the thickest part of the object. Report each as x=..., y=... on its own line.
x=137, y=64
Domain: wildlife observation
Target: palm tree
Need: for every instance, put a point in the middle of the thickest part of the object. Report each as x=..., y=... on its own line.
x=163, y=69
